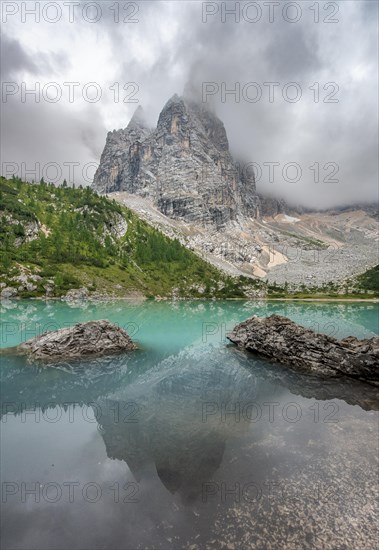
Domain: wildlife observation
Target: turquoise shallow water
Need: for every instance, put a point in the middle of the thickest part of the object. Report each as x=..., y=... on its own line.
x=187, y=442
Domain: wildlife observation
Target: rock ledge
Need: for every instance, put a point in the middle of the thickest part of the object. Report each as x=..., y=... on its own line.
x=282, y=340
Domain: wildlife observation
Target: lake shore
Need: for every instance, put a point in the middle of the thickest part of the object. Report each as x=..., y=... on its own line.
x=131, y=298
x=373, y=300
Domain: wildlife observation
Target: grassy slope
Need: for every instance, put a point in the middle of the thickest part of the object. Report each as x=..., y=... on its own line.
x=75, y=245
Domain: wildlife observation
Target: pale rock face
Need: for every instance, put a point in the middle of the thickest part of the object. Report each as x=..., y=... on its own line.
x=76, y=295
x=183, y=165
x=31, y=230
x=8, y=292
x=118, y=227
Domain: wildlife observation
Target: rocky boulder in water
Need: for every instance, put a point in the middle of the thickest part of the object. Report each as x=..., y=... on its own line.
x=282, y=340
x=82, y=340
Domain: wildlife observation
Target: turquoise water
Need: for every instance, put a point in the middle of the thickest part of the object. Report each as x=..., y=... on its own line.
x=187, y=442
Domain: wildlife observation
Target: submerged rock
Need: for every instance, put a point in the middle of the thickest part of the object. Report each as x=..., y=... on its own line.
x=91, y=338
x=282, y=340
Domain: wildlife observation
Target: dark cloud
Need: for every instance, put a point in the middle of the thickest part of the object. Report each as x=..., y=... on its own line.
x=44, y=141
x=292, y=55
x=15, y=59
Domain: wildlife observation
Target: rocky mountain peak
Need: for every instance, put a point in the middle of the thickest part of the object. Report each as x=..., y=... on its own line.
x=138, y=119
x=183, y=166
x=173, y=116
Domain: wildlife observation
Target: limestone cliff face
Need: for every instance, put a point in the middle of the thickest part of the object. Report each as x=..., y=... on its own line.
x=183, y=165
x=270, y=207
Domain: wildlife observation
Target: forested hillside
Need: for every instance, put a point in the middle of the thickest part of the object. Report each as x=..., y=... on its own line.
x=369, y=280
x=57, y=238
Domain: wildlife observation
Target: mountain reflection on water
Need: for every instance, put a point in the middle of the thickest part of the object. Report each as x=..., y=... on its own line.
x=182, y=421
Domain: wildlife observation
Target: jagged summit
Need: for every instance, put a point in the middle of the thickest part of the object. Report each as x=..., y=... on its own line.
x=174, y=99
x=138, y=118
x=183, y=165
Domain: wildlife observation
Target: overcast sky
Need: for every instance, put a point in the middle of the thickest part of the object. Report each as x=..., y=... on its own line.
x=155, y=48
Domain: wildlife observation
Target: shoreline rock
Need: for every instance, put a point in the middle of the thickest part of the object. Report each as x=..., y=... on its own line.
x=8, y=292
x=76, y=295
x=282, y=340
x=93, y=338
